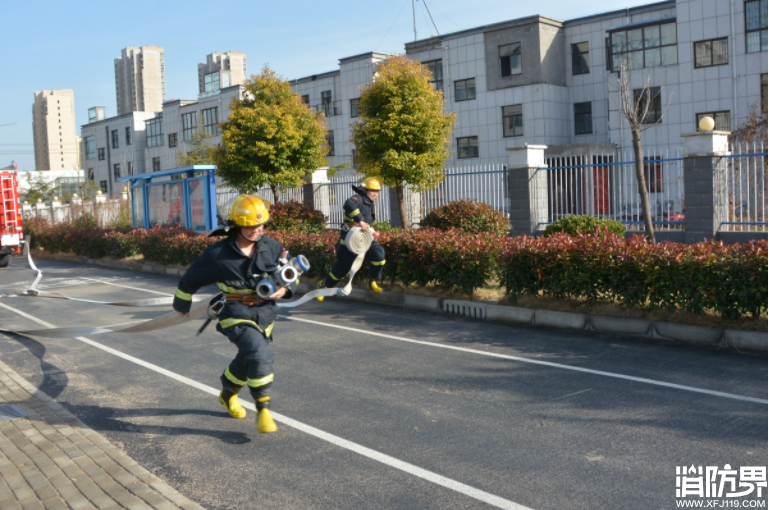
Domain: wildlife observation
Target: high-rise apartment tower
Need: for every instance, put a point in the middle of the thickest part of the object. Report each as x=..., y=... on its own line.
x=140, y=80
x=54, y=131
x=221, y=70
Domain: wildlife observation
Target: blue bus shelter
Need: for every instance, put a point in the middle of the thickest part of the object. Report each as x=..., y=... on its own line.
x=189, y=200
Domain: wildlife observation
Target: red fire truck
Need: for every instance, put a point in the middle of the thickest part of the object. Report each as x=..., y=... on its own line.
x=11, y=238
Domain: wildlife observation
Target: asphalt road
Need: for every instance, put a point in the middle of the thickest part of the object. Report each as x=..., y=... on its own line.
x=389, y=408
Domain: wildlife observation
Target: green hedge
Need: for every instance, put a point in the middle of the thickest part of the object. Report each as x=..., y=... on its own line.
x=296, y=217
x=469, y=216
x=729, y=279
x=575, y=225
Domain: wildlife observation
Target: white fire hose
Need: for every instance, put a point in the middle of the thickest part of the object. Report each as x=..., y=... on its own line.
x=357, y=241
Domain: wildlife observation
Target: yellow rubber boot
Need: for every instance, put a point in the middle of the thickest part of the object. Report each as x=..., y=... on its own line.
x=264, y=422
x=373, y=287
x=321, y=286
x=233, y=406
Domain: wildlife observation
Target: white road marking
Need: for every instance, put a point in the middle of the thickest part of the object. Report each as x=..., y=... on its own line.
x=382, y=458
x=537, y=362
x=125, y=286
x=518, y=358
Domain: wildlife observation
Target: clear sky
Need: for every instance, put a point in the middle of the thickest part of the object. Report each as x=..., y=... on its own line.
x=72, y=45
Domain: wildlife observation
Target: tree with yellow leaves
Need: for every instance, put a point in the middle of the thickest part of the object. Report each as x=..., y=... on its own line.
x=270, y=138
x=403, y=136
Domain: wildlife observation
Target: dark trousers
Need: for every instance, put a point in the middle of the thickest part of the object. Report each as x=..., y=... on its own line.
x=345, y=259
x=252, y=365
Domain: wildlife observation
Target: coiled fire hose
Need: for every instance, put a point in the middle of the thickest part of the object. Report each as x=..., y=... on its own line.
x=357, y=241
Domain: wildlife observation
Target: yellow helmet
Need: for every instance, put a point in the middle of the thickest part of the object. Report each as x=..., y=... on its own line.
x=250, y=211
x=372, y=183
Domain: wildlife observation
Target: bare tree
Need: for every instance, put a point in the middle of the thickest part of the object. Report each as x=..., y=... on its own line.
x=634, y=107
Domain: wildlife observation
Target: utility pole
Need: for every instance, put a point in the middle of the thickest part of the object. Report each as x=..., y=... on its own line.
x=414, y=17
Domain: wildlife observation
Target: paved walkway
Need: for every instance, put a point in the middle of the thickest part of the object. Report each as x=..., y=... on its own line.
x=50, y=459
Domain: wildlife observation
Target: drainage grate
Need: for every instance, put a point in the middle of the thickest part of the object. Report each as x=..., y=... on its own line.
x=466, y=308
x=11, y=412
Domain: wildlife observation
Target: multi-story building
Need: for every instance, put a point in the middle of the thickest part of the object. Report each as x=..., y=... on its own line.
x=114, y=147
x=540, y=80
x=140, y=81
x=142, y=142
x=57, y=146
x=221, y=70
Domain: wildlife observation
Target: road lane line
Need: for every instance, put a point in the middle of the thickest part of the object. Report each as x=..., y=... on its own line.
x=125, y=286
x=537, y=362
x=515, y=358
x=382, y=458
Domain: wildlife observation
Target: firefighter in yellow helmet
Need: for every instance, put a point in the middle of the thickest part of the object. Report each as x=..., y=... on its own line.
x=359, y=211
x=236, y=264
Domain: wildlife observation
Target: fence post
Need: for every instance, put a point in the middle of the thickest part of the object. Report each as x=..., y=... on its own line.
x=315, y=191
x=527, y=188
x=704, y=183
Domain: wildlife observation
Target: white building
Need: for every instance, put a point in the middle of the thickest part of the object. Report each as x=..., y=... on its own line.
x=540, y=80
x=221, y=70
x=57, y=146
x=141, y=142
x=140, y=79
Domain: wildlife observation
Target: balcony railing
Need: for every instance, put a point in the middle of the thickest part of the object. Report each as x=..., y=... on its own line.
x=331, y=109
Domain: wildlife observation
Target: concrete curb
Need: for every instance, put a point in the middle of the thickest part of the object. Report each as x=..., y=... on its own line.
x=738, y=340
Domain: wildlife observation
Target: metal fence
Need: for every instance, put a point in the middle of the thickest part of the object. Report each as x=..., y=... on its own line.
x=746, y=180
x=225, y=196
x=339, y=189
x=605, y=185
x=481, y=183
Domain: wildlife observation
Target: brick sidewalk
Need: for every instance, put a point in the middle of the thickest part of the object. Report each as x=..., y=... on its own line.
x=52, y=460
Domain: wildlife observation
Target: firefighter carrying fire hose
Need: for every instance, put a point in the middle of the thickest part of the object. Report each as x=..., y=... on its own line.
x=237, y=264
x=358, y=211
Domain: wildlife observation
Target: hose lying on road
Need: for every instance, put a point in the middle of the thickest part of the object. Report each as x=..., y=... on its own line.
x=357, y=241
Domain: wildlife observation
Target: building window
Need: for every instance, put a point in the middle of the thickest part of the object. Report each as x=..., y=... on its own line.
x=647, y=46
x=655, y=105
x=510, y=59
x=755, y=26
x=103, y=186
x=90, y=147
x=90, y=174
x=155, y=133
x=354, y=158
x=130, y=168
x=211, y=82
x=714, y=52
x=155, y=164
x=189, y=125
x=209, y=121
x=330, y=142
x=116, y=170
x=436, y=73
x=102, y=154
x=306, y=99
x=512, y=120
x=128, y=136
x=580, y=58
x=354, y=107
x=115, y=139
x=763, y=93
x=325, y=97
x=723, y=120
x=583, y=118
x=468, y=147
x=172, y=140
x=653, y=173
x=464, y=89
